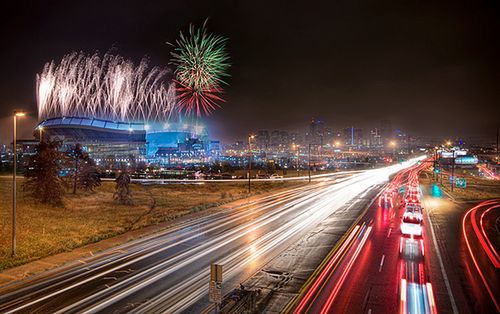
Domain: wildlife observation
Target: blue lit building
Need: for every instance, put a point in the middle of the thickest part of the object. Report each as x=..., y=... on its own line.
x=107, y=141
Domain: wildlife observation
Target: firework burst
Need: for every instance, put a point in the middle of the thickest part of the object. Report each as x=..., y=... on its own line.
x=109, y=87
x=202, y=63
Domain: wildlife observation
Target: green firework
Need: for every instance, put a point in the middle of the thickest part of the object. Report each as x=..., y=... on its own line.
x=201, y=60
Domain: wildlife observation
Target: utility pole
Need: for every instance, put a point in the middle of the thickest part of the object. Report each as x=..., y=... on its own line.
x=309, y=162
x=453, y=171
x=435, y=165
x=250, y=137
x=408, y=142
x=298, y=160
x=498, y=160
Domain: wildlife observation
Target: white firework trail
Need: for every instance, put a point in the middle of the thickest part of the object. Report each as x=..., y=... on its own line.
x=109, y=88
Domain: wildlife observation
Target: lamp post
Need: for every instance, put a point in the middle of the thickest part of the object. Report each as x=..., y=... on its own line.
x=309, y=162
x=453, y=171
x=393, y=145
x=40, y=129
x=250, y=138
x=436, y=174
x=309, y=159
x=14, y=168
x=298, y=156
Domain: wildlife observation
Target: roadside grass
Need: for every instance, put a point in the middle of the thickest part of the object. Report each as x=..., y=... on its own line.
x=44, y=230
x=477, y=188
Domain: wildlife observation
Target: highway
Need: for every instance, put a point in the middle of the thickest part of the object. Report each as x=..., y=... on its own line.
x=373, y=269
x=169, y=271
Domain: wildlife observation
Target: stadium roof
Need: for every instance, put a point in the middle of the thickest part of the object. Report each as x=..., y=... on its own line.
x=92, y=122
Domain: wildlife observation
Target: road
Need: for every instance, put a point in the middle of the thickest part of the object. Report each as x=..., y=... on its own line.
x=169, y=271
x=374, y=269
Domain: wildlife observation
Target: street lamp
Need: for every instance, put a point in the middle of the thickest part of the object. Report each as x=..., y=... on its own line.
x=250, y=138
x=393, y=145
x=14, y=168
x=40, y=129
x=309, y=159
x=298, y=156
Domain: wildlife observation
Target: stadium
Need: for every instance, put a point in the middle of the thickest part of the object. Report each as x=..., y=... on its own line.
x=104, y=139
x=117, y=111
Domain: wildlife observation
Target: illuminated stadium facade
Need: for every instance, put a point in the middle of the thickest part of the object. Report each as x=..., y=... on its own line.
x=111, y=141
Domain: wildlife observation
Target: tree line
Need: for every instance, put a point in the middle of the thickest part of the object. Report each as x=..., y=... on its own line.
x=50, y=173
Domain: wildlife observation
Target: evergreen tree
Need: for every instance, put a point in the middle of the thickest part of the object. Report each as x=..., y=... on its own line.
x=84, y=174
x=75, y=156
x=88, y=176
x=43, y=181
x=122, y=194
x=270, y=167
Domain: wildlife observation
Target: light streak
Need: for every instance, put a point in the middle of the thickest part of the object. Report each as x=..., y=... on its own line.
x=402, y=303
x=430, y=295
x=335, y=291
x=302, y=212
x=312, y=290
x=492, y=253
x=492, y=296
x=483, y=239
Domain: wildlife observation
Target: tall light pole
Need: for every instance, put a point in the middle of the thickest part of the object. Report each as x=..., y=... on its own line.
x=393, y=145
x=40, y=129
x=250, y=138
x=453, y=172
x=309, y=159
x=309, y=162
x=298, y=157
x=436, y=175
x=14, y=169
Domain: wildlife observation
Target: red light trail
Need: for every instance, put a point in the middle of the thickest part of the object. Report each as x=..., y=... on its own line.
x=480, y=235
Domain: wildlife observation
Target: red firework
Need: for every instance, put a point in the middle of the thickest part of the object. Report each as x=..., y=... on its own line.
x=197, y=100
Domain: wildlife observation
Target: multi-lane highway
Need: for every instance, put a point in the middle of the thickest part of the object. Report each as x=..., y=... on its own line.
x=169, y=271
x=374, y=269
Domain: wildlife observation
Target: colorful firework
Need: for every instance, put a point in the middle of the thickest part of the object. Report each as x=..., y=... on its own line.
x=202, y=63
x=109, y=87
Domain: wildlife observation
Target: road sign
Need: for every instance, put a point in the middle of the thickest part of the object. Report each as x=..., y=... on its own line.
x=216, y=272
x=461, y=183
x=215, y=292
x=215, y=287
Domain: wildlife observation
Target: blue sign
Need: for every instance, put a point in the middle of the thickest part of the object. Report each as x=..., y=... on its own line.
x=461, y=183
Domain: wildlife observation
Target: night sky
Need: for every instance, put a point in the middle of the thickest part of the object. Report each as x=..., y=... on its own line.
x=432, y=67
